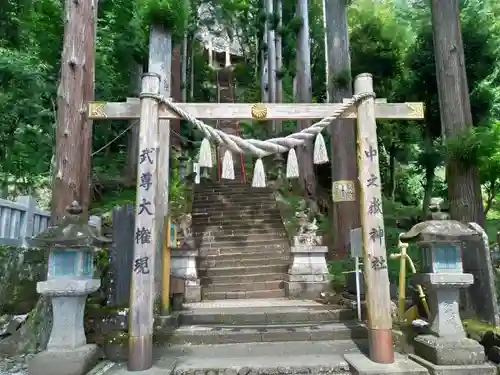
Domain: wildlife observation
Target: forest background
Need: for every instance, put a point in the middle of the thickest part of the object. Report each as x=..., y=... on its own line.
x=390, y=39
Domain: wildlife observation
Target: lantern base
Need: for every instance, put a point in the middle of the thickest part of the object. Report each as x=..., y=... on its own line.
x=64, y=362
x=449, y=351
x=478, y=369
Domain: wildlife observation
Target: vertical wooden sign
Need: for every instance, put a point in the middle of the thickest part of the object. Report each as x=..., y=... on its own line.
x=142, y=291
x=160, y=62
x=372, y=223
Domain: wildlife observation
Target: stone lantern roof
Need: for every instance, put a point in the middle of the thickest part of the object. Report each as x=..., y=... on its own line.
x=437, y=229
x=72, y=232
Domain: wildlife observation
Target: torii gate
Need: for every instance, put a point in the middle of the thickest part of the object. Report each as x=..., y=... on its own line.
x=148, y=224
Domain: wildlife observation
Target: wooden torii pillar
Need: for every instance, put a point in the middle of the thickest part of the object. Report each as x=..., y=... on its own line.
x=375, y=257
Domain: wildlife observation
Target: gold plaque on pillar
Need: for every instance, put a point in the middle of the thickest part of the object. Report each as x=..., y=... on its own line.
x=343, y=191
x=96, y=110
x=259, y=111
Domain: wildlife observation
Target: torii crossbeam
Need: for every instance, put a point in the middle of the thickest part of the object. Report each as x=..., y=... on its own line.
x=147, y=222
x=243, y=111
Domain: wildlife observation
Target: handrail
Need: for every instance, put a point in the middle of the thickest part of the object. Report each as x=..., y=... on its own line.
x=237, y=129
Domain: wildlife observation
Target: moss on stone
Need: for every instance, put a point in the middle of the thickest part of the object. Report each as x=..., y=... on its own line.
x=476, y=328
x=20, y=270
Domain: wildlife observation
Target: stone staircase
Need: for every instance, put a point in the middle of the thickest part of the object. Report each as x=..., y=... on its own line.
x=263, y=336
x=244, y=250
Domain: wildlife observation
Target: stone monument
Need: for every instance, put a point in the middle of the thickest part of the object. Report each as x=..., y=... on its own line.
x=184, y=260
x=308, y=275
x=69, y=281
x=446, y=349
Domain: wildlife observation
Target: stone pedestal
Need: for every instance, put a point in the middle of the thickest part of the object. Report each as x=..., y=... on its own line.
x=308, y=275
x=183, y=265
x=448, y=350
x=362, y=365
x=67, y=350
x=443, y=292
x=78, y=361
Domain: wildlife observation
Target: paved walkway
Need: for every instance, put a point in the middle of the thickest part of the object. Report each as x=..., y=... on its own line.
x=184, y=359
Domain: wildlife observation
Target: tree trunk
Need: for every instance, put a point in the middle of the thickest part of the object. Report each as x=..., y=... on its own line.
x=279, y=62
x=88, y=92
x=346, y=215
x=430, y=170
x=326, y=52
x=464, y=189
x=304, y=95
x=428, y=190
x=391, y=184
x=191, y=67
x=130, y=169
x=76, y=89
x=271, y=56
x=264, y=63
x=184, y=68
x=175, y=124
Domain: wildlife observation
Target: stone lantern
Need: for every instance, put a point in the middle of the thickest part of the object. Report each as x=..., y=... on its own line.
x=71, y=246
x=183, y=167
x=441, y=244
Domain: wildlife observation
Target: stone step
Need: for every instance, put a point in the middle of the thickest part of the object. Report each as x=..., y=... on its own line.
x=267, y=315
x=235, y=214
x=210, y=188
x=243, y=256
x=277, y=248
x=227, y=215
x=200, y=200
x=215, y=231
x=218, y=334
x=247, y=270
x=232, y=195
x=211, y=239
x=238, y=226
x=244, y=287
x=260, y=358
x=250, y=294
x=214, y=205
x=231, y=188
x=214, y=262
x=253, y=207
x=233, y=223
x=229, y=244
x=234, y=279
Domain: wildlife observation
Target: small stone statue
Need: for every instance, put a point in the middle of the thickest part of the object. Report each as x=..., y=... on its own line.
x=184, y=223
x=307, y=229
x=302, y=221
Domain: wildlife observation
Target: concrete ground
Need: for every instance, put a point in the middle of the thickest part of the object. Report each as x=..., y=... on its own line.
x=185, y=359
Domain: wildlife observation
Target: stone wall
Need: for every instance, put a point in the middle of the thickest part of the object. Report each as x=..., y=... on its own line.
x=20, y=270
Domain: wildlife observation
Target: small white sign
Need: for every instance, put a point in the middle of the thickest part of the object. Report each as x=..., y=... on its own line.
x=196, y=170
x=356, y=243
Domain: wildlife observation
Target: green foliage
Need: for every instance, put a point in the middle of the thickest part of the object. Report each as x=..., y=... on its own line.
x=180, y=194
x=170, y=14
x=392, y=40
x=295, y=24
x=472, y=146
x=117, y=198
x=489, y=161
x=280, y=73
x=273, y=20
x=409, y=188
x=342, y=80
